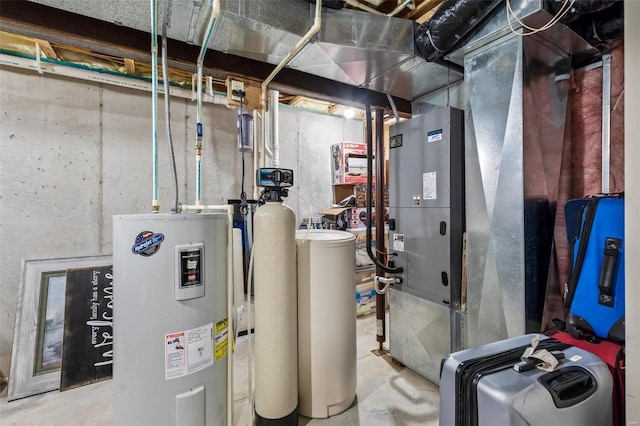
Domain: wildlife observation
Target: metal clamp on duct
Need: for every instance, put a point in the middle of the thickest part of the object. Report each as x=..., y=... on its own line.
x=452, y=22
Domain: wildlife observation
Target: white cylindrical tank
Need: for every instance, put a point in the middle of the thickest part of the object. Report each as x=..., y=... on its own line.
x=276, y=333
x=170, y=319
x=326, y=322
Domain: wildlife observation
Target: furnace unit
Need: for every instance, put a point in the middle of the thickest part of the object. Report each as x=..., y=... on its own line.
x=426, y=226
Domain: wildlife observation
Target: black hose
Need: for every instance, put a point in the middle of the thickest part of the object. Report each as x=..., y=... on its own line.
x=167, y=114
x=385, y=268
x=244, y=206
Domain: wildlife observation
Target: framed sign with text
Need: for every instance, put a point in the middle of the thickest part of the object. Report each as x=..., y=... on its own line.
x=87, y=350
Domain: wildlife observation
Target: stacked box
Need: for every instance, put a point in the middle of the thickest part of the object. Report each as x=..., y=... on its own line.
x=359, y=217
x=348, y=163
x=366, y=300
x=360, y=194
x=350, y=217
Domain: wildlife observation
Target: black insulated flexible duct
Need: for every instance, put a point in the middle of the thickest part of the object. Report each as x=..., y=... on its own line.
x=598, y=22
x=580, y=7
x=451, y=23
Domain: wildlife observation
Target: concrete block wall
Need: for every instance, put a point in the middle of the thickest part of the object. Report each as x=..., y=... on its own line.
x=74, y=153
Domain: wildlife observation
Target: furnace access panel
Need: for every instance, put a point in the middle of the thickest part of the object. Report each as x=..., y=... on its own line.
x=426, y=203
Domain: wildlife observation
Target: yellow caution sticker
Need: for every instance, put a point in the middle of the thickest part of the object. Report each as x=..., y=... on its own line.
x=221, y=331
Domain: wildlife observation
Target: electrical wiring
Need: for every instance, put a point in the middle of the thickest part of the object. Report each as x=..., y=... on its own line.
x=566, y=7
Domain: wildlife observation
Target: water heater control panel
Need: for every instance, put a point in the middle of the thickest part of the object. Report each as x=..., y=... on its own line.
x=189, y=267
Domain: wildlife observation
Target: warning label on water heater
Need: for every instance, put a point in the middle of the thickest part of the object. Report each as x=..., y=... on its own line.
x=222, y=338
x=188, y=351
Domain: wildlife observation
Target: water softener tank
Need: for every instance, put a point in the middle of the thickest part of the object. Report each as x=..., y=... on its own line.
x=170, y=319
x=276, y=332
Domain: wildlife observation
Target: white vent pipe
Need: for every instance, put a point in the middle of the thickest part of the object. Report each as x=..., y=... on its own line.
x=303, y=41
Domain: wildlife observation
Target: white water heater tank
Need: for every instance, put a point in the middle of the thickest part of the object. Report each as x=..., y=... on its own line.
x=326, y=322
x=170, y=319
x=276, y=315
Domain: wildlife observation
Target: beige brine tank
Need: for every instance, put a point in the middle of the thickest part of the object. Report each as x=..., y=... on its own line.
x=326, y=322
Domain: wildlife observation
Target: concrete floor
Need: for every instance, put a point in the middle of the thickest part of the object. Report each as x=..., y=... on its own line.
x=386, y=394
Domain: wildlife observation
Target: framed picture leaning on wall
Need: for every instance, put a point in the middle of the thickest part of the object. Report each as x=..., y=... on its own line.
x=37, y=338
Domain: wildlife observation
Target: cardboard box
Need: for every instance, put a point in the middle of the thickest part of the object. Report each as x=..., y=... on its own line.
x=351, y=218
x=342, y=191
x=348, y=163
x=365, y=299
x=360, y=194
x=365, y=275
x=359, y=217
x=337, y=218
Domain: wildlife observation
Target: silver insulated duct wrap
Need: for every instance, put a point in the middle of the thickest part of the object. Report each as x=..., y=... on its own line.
x=276, y=297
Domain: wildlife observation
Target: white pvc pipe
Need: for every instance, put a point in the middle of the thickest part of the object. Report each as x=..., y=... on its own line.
x=224, y=207
x=257, y=150
x=275, y=132
x=303, y=41
x=155, y=205
x=100, y=77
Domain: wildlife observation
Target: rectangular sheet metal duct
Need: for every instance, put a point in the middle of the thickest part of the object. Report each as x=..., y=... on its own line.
x=515, y=124
x=353, y=47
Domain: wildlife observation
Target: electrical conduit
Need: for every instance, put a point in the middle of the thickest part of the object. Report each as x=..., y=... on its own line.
x=303, y=41
x=167, y=115
x=215, y=12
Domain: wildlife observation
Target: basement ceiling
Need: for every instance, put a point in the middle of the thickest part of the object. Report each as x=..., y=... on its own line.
x=356, y=52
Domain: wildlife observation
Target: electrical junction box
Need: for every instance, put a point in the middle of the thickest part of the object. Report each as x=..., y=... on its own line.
x=426, y=203
x=252, y=89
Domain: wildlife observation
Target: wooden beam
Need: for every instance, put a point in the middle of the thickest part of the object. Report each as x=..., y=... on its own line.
x=422, y=8
x=130, y=66
x=424, y=18
x=35, y=20
x=46, y=47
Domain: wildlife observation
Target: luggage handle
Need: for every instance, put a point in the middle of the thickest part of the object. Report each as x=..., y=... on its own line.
x=569, y=386
x=610, y=256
